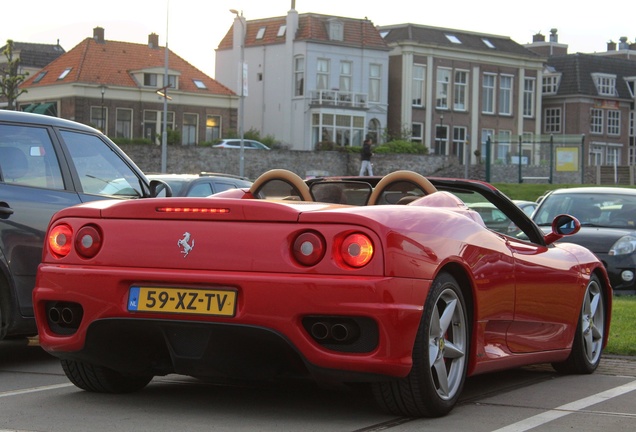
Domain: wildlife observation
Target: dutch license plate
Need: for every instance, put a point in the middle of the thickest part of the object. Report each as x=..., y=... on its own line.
x=182, y=300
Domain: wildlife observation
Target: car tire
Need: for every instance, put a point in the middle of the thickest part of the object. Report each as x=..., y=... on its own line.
x=590, y=331
x=440, y=357
x=99, y=379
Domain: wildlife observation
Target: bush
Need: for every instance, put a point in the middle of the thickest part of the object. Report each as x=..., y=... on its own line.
x=401, y=146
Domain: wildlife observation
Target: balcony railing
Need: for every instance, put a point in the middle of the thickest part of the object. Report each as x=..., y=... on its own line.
x=338, y=98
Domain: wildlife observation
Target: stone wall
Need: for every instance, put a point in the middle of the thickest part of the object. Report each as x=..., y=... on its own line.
x=193, y=159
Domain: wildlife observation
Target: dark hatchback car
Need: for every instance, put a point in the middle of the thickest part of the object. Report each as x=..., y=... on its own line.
x=47, y=164
x=201, y=185
x=608, y=226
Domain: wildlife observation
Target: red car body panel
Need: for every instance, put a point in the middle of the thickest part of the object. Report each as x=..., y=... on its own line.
x=525, y=298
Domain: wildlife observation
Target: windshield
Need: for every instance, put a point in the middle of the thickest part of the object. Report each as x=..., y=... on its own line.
x=591, y=209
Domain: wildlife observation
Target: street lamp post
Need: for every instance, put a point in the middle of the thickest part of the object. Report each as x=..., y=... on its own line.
x=103, y=90
x=239, y=16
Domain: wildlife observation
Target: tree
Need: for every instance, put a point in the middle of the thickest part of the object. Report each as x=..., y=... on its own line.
x=10, y=79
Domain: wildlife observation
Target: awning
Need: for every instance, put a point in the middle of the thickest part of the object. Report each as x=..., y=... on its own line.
x=48, y=108
x=30, y=108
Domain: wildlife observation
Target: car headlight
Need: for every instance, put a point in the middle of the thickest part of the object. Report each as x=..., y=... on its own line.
x=623, y=246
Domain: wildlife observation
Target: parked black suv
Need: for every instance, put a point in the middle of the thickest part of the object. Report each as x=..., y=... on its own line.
x=46, y=164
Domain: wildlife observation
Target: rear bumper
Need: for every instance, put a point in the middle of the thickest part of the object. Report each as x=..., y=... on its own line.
x=270, y=312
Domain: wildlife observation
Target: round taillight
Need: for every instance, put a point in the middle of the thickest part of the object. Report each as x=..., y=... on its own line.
x=60, y=240
x=309, y=248
x=356, y=250
x=88, y=241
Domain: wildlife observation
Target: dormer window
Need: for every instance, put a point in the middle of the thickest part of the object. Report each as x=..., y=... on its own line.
x=335, y=30
x=64, y=73
x=551, y=83
x=261, y=33
x=605, y=84
x=150, y=80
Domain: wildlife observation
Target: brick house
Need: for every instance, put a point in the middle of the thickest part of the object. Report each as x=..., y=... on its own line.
x=118, y=87
x=451, y=90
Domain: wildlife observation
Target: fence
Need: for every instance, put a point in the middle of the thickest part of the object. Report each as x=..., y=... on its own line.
x=544, y=158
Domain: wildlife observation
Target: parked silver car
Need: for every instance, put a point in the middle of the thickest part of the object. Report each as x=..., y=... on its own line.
x=235, y=143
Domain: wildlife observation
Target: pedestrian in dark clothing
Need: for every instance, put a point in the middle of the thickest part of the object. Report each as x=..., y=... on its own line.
x=365, y=156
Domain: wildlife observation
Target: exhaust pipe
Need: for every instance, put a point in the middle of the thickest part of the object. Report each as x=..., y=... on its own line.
x=54, y=315
x=340, y=332
x=320, y=330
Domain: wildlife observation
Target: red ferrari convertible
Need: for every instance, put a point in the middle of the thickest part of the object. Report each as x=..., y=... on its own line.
x=392, y=281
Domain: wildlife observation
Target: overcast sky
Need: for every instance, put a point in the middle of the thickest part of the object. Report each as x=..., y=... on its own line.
x=194, y=28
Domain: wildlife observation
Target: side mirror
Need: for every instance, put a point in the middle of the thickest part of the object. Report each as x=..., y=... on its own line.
x=562, y=225
x=159, y=186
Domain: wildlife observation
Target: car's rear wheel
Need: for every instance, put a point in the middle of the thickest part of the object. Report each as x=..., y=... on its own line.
x=588, y=339
x=440, y=357
x=99, y=379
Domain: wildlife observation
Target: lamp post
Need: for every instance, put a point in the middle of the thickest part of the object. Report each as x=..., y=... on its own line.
x=103, y=90
x=242, y=72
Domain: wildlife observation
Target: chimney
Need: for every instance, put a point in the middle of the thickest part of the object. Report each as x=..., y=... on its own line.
x=98, y=34
x=153, y=40
x=623, y=44
x=611, y=46
x=538, y=38
x=553, y=36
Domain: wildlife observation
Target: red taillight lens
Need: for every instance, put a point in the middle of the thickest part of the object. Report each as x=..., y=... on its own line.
x=60, y=240
x=202, y=210
x=356, y=250
x=309, y=248
x=88, y=241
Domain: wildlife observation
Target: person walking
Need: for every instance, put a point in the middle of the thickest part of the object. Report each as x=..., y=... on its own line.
x=365, y=156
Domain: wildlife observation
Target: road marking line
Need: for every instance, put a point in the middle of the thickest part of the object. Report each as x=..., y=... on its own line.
x=567, y=409
x=33, y=390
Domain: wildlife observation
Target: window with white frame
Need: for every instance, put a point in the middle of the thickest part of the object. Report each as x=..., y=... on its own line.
x=613, y=122
x=529, y=85
x=596, y=121
x=605, y=84
x=596, y=154
x=189, y=129
x=551, y=83
x=613, y=155
x=375, y=82
x=460, y=90
x=419, y=80
x=150, y=80
x=212, y=128
x=417, y=133
x=505, y=94
x=336, y=30
x=99, y=115
x=443, y=85
x=345, y=76
x=123, y=123
x=344, y=130
x=552, y=120
x=458, y=146
x=322, y=74
x=299, y=76
x=488, y=93
x=153, y=124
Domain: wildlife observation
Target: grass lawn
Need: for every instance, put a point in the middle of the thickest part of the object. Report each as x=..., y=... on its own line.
x=622, y=338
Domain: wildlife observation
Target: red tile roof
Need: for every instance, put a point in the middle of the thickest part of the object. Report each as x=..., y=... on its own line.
x=111, y=63
x=359, y=33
